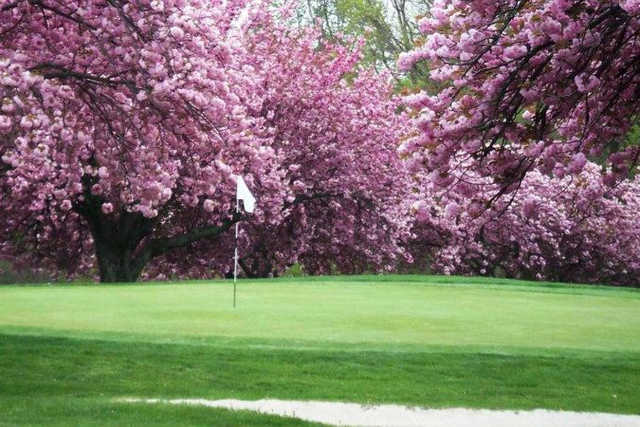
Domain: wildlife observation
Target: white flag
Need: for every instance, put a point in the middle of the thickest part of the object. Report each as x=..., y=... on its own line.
x=243, y=193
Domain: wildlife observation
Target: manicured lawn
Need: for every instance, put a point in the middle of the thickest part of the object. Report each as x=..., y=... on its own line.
x=66, y=352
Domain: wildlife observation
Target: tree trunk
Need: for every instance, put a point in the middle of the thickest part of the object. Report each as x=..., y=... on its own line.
x=117, y=264
x=260, y=268
x=116, y=242
x=118, y=238
x=121, y=252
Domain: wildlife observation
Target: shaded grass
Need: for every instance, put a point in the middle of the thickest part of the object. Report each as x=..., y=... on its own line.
x=100, y=412
x=373, y=278
x=43, y=368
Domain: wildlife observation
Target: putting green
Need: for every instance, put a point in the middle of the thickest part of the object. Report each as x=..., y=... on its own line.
x=388, y=313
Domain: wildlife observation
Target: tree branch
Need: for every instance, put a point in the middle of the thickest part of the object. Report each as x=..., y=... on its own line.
x=54, y=71
x=57, y=11
x=9, y=6
x=161, y=246
x=304, y=198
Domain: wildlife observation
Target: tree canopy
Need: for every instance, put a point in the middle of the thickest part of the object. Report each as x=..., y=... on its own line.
x=124, y=123
x=528, y=85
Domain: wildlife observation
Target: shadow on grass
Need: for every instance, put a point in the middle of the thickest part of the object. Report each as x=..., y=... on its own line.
x=65, y=368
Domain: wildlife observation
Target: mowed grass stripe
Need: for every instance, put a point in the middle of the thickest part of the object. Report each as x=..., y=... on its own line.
x=40, y=369
x=383, y=315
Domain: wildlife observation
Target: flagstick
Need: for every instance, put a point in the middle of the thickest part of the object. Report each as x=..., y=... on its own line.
x=235, y=257
x=242, y=192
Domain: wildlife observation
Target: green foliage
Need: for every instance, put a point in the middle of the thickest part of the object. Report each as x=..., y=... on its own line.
x=367, y=18
x=389, y=29
x=632, y=139
x=296, y=270
x=10, y=275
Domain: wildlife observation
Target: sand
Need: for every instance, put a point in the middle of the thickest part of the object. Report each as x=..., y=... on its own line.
x=353, y=414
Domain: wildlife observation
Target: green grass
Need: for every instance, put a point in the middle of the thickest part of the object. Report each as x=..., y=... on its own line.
x=66, y=352
x=81, y=411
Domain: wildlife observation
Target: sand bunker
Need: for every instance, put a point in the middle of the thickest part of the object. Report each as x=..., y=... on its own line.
x=352, y=414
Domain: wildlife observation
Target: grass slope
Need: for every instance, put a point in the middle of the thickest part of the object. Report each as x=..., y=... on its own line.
x=66, y=352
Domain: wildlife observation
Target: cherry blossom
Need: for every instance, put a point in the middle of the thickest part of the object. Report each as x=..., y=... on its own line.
x=124, y=124
x=119, y=120
x=527, y=84
x=573, y=229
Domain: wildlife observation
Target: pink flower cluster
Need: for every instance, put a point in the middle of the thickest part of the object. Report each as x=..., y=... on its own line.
x=573, y=229
x=527, y=84
x=114, y=111
x=336, y=141
x=122, y=125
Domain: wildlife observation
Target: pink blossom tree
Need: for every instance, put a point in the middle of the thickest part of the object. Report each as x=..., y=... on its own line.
x=530, y=92
x=122, y=125
x=335, y=130
x=527, y=84
x=573, y=229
